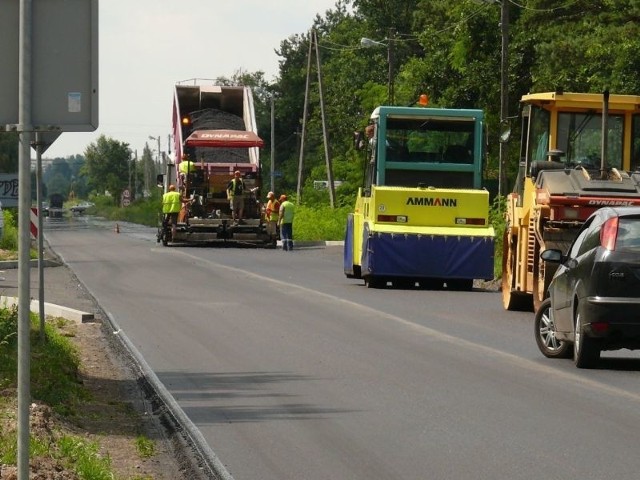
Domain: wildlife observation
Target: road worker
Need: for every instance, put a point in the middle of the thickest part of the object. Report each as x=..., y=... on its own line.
x=235, y=194
x=285, y=221
x=186, y=167
x=171, y=205
x=272, y=212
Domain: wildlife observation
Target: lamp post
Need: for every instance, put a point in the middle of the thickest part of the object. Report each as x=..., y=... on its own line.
x=367, y=42
x=159, y=153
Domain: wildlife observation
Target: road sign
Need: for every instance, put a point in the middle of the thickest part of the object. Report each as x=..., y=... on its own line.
x=64, y=51
x=45, y=140
x=125, y=197
x=34, y=223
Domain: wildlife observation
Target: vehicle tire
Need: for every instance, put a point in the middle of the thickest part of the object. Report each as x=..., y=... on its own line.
x=545, y=331
x=511, y=300
x=586, y=352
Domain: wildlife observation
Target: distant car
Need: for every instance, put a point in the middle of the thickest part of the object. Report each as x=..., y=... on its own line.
x=594, y=296
x=81, y=207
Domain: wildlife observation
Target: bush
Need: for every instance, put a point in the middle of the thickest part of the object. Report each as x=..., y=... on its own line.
x=8, y=327
x=497, y=219
x=9, y=240
x=319, y=223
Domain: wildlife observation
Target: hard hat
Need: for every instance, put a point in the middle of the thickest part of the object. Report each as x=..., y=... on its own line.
x=283, y=198
x=270, y=195
x=172, y=187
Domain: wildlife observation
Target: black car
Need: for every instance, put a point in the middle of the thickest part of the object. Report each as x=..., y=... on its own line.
x=594, y=296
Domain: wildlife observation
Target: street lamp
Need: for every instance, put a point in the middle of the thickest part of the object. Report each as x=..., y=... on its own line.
x=159, y=153
x=367, y=43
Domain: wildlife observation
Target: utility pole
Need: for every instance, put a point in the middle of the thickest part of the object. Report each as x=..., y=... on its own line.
x=325, y=132
x=504, y=93
x=313, y=40
x=304, y=119
x=273, y=146
x=146, y=173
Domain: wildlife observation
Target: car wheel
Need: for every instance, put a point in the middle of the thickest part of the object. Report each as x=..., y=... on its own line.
x=585, y=351
x=545, y=331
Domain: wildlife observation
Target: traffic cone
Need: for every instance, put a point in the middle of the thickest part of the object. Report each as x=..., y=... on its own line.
x=117, y=229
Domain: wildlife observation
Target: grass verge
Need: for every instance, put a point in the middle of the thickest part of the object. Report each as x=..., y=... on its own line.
x=58, y=395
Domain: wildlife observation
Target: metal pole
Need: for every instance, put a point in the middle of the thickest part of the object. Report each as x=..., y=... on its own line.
x=134, y=187
x=504, y=93
x=273, y=146
x=24, y=221
x=390, y=61
x=146, y=173
x=40, y=236
x=605, y=134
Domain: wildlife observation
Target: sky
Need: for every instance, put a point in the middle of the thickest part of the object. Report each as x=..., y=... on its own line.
x=146, y=46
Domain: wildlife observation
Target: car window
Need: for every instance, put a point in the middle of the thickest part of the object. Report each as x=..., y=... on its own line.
x=590, y=241
x=577, y=249
x=628, y=233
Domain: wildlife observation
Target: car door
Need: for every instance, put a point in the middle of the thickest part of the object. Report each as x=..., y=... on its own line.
x=576, y=266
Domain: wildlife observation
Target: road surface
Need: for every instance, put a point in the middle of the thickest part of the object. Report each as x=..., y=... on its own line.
x=292, y=371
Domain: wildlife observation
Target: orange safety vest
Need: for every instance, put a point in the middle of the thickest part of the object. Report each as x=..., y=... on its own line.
x=273, y=207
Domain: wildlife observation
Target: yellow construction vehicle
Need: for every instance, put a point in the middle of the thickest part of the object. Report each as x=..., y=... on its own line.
x=422, y=216
x=568, y=169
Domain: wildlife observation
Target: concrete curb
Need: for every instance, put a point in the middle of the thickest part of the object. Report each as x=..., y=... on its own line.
x=319, y=243
x=9, y=264
x=50, y=309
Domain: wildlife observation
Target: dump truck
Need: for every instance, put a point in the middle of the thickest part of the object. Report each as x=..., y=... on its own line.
x=578, y=152
x=56, y=206
x=214, y=126
x=421, y=217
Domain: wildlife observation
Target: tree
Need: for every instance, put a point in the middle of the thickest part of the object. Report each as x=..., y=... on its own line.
x=9, y=152
x=106, y=165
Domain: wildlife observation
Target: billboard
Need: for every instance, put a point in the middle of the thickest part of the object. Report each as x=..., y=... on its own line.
x=9, y=189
